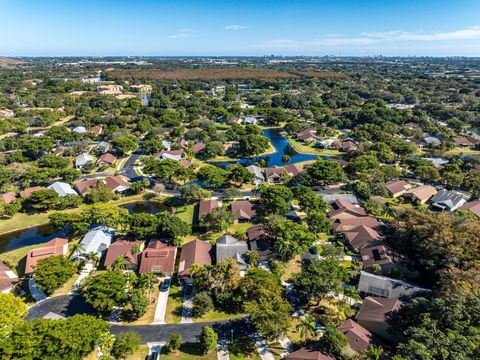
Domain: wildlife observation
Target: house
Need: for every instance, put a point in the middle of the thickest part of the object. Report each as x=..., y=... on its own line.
x=193, y=252
x=183, y=143
x=198, y=148
x=342, y=209
x=54, y=247
x=7, y=113
x=362, y=235
x=412, y=126
x=397, y=188
x=358, y=337
x=97, y=130
x=349, y=146
x=432, y=141
x=308, y=354
x=373, y=315
x=167, y=145
x=260, y=239
x=172, y=155
x=116, y=183
x=473, y=207
x=463, y=142
x=420, y=194
x=82, y=159
x=250, y=120
x=79, y=130
x=385, y=287
x=293, y=170
x=275, y=174
x=229, y=247
x=103, y=146
x=8, y=197
x=158, y=258
x=140, y=88
x=379, y=255
x=331, y=198
x=345, y=224
x=445, y=200
x=62, y=189
x=7, y=278
x=106, y=159
x=95, y=241
x=258, y=177
x=111, y=89
x=206, y=206
x=437, y=162
x=25, y=194
x=84, y=186
x=308, y=135
x=126, y=249
x=243, y=211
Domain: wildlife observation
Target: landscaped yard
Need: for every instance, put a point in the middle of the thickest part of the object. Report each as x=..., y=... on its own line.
x=190, y=351
x=216, y=315
x=185, y=213
x=309, y=149
x=140, y=354
x=294, y=266
x=173, y=313
x=14, y=258
x=243, y=349
x=67, y=287
x=150, y=314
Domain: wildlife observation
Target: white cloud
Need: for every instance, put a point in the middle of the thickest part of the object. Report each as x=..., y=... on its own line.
x=469, y=33
x=182, y=33
x=234, y=27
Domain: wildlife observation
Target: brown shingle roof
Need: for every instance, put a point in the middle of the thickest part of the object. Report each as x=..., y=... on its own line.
x=343, y=208
x=198, y=148
x=54, y=247
x=7, y=277
x=397, y=187
x=193, y=252
x=379, y=255
x=107, y=158
x=358, y=337
x=158, y=258
x=206, y=206
x=308, y=354
x=473, y=206
x=375, y=309
x=115, y=182
x=123, y=248
x=243, y=210
x=350, y=223
x=361, y=236
x=422, y=193
x=84, y=186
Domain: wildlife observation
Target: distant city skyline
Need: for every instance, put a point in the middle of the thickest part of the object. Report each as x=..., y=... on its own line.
x=229, y=28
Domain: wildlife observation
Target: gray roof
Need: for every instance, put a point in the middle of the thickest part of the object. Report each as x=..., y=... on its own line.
x=432, y=140
x=228, y=246
x=62, y=189
x=255, y=170
x=331, y=198
x=82, y=159
x=448, y=200
x=96, y=240
x=386, y=287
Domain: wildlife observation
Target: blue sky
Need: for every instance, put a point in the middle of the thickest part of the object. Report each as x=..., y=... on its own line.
x=245, y=27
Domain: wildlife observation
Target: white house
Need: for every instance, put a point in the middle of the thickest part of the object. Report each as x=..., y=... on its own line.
x=62, y=189
x=258, y=177
x=250, y=120
x=95, y=241
x=82, y=159
x=79, y=130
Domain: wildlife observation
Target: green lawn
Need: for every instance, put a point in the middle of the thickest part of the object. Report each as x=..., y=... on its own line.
x=67, y=287
x=173, y=313
x=14, y=258
x=186, y=213
x=216, y=315
x=309, y=149
x=189, y=351
x=140, y=354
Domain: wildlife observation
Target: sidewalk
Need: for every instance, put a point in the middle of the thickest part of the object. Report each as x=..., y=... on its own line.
x=286, y=344
x=87, y=269
x=162, y=301
x=222, y=350
x=262, y=347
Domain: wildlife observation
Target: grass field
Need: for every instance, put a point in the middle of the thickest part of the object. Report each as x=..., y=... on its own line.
x=140, y=354
x=216, y=315
x=13, y=258
x=309, y=149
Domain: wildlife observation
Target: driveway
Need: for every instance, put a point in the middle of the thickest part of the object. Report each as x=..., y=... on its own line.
x=162, y=301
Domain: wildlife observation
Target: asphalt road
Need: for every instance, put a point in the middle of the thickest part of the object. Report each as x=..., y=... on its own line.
x=69, y=305
x=128, y=168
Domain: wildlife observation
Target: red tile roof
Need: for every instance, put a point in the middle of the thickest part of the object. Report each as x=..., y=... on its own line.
x=193, y=252
x=293, y=169
x=123, y=248
x=158, y=258
x=243, y=210
x=206, y=206
x=115, y=182
x=54, y=247
x=198, y=148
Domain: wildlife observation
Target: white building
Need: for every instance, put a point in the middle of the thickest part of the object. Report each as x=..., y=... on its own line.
x=62, y=189
x=95, y=241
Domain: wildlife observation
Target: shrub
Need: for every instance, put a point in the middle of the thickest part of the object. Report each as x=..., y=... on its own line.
x=202, y=304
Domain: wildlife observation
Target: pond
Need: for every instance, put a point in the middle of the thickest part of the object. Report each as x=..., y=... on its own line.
x=31, y=236
x=41, y=234
x=282, y=147
x=148, y=207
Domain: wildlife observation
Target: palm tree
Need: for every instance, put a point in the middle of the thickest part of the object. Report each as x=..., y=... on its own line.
x=389, y=211
x=77, y=248
x=306, y=327
x=120, y=263
x=105, y=342
x=352, y=293
x=373, y=353
x=195, y=269
x=93, y=257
